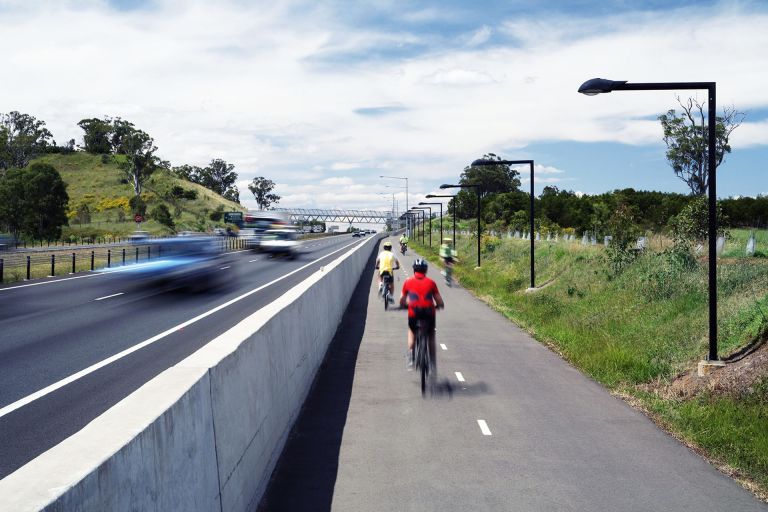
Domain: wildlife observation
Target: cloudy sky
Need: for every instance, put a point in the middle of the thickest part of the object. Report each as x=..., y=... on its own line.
x=324, y=96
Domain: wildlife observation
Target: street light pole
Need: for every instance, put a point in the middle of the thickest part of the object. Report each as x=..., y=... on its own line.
x=477, y=190
x=406, y=186
x=486, y=162
x=441, y=217
x=423, y=215
x=430, y=221
x=601, y=85
x=430, y=196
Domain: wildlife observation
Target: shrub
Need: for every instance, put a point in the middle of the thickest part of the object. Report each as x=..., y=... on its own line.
x=162, y=215
x=138, y=205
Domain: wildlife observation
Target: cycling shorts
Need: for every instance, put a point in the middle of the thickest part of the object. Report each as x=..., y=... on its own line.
x=428, y=315
x=386, y=274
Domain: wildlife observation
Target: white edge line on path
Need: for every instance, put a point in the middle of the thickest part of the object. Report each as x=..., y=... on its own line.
x=484, y=428
x=82, y=373
x=459, y=377
x=110, y=296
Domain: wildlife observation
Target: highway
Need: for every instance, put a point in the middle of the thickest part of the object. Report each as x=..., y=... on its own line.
x=72, y=347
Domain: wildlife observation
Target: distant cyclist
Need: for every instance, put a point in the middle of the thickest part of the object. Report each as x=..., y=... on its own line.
x=403, y=243
x=421, y=295
x=387, y=263
x=448, y=255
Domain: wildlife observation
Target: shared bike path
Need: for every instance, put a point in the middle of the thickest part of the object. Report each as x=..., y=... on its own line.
x=510, y=426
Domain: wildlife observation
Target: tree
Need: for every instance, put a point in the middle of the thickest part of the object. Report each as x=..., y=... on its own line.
x=97, y=137
x=261, y=188
x=140, y=160
x=22, y=137
x=33, y=201
x=191, y=173
x=686, y=136
x=162, y=215
x=220, y=177
x=491, y=179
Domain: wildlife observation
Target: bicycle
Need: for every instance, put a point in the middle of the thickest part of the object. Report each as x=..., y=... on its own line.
x=422, y=359
x=403, y=248
x=386, y=294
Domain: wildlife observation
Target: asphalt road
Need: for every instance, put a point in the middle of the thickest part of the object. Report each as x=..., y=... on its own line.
x=511, y=426
x=52, y=329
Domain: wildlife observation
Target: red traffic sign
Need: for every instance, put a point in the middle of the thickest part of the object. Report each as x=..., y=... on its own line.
x=138, y=218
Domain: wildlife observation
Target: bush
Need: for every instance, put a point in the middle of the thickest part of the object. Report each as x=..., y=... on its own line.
x=162, y=215
x=138, y=206
x=620, y=250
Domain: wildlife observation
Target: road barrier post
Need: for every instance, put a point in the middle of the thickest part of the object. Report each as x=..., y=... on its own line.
x=123, y=255
x=53, y=264
x=73, y=263
x=148, y=252
x=1, y=270
x=109, y=258
x=92, y=260
x=137, y=255
x=29, y=268
x=159, y=250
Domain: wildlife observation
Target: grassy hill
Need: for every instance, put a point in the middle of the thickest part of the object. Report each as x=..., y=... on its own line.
x=99, y=184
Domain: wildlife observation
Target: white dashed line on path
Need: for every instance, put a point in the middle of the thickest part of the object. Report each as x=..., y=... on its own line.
x=251, y=261
x=442, y=346
x=109, y=296
x=484, y=428
x=459, y=377
x=224, y=268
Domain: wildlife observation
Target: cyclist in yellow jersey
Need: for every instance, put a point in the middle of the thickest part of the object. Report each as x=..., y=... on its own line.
x=387, y=263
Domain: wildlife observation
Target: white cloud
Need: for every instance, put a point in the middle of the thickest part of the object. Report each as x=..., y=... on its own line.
x=480, y=36
x=244, y=82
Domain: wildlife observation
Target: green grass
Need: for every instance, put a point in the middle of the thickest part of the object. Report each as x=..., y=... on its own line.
x=89, y=180
x=646, y=324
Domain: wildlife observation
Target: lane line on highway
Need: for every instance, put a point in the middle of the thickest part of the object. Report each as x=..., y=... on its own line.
x=251, y=261
x=86, y=371
x=484, y=428
x=48, y=282
x=459, y=377
x=224, y=268
x=442, y=346
x=110, y=296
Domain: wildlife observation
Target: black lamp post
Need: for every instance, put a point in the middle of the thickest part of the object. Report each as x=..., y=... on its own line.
x=430, y=220
x=430, y=196
x=477, y=190
x=485, y=162
x=441, y=217
x=601, y=85
x=423, y=219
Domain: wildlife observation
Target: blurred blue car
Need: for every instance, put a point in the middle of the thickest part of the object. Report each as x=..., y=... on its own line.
x=190, y=261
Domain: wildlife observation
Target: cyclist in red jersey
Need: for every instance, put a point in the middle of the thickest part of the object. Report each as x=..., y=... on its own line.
x=421, y=295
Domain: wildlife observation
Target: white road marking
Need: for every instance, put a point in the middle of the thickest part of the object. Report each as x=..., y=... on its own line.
x=484, y=428
x=459, y=377
x=110, y=296
x=251, y=261
x=48, y=282
x=442, y=346
x=224, y=268
x=82, y=373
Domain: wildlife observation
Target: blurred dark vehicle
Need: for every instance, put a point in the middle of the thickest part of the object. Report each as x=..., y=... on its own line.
x=189, y=261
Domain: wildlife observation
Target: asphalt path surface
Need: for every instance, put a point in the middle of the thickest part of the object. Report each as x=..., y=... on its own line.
x=56, y=328
x=509, y=426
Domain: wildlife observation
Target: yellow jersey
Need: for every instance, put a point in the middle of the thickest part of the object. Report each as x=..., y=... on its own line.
x=386, y=261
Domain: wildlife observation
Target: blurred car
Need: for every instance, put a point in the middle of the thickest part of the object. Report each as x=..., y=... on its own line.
x=189, y=261
x=356, y=234
x=138, y=236
x=280, y=242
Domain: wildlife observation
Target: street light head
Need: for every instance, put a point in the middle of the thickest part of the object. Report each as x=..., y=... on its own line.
x=600, y=85
x=484, y=161
x=445, y=185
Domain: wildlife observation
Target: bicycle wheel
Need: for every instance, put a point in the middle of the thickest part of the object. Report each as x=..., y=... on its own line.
x=423, y=359
x=386, y=296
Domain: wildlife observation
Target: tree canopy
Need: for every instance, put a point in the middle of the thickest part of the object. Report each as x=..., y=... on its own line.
x=686, y=136
x=22, y=137
x=261, y=188
x=33, y=201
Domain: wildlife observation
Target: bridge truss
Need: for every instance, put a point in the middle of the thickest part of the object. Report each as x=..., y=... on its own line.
x=299, y=215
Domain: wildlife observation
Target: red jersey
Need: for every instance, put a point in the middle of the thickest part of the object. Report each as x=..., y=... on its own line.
x=420, y=291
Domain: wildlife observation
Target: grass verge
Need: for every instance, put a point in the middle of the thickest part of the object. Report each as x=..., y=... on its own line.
x=638, y=330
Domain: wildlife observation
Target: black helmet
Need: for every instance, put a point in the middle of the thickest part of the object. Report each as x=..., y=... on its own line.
x=420, y=265
x=387, y=245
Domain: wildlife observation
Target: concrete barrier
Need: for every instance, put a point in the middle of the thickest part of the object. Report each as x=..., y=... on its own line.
x=206, y=433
